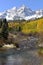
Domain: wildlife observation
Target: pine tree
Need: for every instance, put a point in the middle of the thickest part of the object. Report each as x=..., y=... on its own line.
x=5, y=29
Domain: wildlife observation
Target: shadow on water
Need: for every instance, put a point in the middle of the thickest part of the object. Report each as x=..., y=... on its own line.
x=20, y=57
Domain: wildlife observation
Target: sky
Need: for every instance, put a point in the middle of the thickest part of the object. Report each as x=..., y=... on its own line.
x=33, y=4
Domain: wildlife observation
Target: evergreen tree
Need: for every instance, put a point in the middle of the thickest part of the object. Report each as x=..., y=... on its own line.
x=5, y=29
x=19, y=29
x=0, y=23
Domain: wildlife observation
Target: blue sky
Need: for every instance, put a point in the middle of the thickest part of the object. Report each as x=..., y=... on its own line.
x=33, y=4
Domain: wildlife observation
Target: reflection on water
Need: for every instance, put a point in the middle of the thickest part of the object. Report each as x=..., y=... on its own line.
x=25, y=57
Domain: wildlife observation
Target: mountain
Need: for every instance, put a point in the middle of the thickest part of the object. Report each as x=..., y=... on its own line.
x=21, y=13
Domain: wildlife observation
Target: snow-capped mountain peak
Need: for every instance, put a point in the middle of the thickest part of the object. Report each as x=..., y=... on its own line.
x=24, y=10
x=21, y=13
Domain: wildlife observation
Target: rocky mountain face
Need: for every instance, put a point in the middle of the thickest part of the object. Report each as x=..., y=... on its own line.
x=21, y=13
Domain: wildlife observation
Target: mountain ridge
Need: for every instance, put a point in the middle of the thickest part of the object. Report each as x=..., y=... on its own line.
x=21, y=13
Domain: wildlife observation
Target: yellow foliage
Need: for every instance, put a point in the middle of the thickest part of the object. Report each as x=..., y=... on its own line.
x=29, y=27
x=40, y=25
x=13, y=24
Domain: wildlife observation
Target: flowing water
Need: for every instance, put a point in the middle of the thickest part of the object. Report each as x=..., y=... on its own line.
x=20, y=57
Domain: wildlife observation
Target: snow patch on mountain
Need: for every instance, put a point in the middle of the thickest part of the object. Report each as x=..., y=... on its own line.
x=21, y=13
